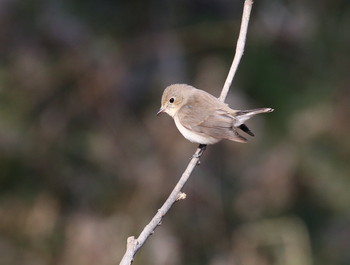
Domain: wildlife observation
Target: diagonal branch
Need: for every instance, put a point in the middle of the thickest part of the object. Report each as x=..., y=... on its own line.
x=134, y=244
x=239, y=48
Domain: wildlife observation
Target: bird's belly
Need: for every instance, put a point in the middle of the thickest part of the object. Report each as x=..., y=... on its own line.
x=194, y=136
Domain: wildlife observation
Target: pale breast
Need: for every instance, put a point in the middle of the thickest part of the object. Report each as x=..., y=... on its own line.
x=194, y=136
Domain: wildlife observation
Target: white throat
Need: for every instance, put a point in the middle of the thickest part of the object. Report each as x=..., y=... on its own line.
x=171, y=111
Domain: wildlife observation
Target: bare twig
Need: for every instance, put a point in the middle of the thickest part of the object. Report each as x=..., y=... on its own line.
x=134, y=244
x=239, y=48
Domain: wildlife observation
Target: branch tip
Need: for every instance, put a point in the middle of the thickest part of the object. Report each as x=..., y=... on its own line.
x=130, y=240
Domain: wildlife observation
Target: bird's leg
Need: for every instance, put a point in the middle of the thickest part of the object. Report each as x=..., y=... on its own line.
x=202, y=148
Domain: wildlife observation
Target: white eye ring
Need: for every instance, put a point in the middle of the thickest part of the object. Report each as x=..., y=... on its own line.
x=171, y=100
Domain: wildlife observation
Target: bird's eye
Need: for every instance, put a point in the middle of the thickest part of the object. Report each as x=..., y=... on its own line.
x=171, y=100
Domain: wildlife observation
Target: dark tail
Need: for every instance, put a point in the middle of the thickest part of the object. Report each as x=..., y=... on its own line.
x=245, y=129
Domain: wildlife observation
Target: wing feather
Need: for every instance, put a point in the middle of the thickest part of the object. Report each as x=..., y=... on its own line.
x=214, y=121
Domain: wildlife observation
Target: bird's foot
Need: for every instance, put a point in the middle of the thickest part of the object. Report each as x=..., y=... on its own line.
x=202, y=148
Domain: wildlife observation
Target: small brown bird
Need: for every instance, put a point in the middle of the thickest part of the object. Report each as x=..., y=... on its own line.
x=202, y=118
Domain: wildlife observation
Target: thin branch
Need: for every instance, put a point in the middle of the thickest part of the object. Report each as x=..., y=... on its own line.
x=134, y=244
x=239, y=49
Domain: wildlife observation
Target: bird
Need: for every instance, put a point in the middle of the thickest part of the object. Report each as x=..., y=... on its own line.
x=202, y=118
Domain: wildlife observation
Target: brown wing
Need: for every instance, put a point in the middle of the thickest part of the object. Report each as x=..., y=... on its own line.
x=213, y=120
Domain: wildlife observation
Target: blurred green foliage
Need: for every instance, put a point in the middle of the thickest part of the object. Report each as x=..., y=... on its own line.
x=85, y=163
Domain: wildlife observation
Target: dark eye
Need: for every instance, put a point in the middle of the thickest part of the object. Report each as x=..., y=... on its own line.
x=171, y=100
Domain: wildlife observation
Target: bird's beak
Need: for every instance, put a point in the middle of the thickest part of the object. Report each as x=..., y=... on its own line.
x=160, y=110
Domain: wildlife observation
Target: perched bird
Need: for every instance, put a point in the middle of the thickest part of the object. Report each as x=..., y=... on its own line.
x=204, y=119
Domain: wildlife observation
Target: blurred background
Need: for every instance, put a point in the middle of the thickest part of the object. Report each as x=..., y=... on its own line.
x=85, y=163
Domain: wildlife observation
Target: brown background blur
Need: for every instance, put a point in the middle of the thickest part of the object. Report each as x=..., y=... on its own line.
x=85, y=163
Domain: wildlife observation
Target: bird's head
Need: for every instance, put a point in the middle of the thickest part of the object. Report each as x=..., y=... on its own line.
x=174, y=98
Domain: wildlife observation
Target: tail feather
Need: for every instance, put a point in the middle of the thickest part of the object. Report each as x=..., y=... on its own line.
x=245, y=129
x=237, y=137
x=244, y=115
